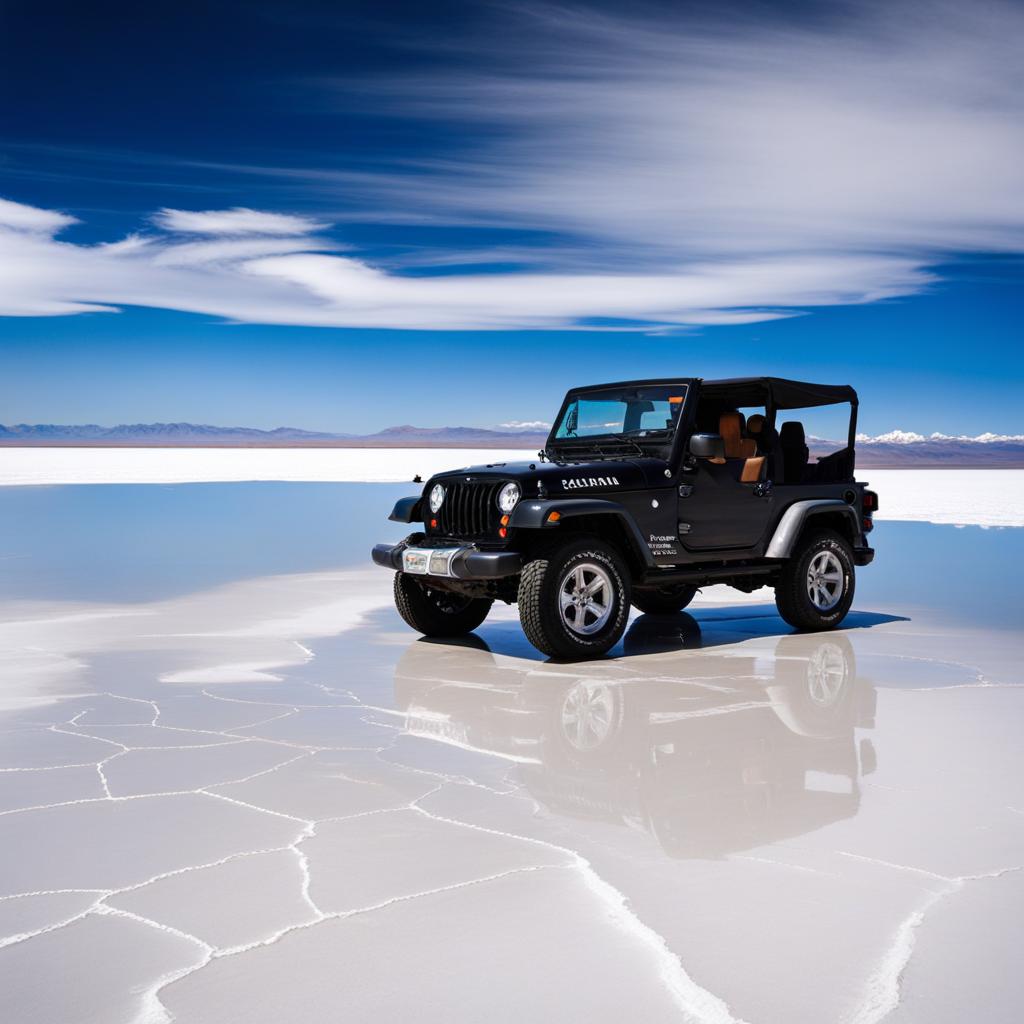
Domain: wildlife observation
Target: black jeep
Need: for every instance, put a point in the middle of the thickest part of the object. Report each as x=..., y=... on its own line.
x=644, y=491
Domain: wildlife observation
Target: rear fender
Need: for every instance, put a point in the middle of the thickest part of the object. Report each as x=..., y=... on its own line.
x=799, y=514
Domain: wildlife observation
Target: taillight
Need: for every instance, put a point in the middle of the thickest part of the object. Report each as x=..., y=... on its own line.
x=869, y=505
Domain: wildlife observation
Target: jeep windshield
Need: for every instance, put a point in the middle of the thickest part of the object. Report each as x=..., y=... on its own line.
x=619, y=421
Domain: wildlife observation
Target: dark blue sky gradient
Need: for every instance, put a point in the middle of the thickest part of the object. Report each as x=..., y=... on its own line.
x=112, y=111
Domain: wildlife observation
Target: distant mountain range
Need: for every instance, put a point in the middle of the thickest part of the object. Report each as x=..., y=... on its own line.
x=152, y=433
x=898, y=448
x=198, y=435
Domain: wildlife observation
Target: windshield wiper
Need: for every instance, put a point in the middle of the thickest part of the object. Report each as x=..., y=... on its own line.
x=566, y=452
x=600, y=447
x=650, y=432
x=620, y=439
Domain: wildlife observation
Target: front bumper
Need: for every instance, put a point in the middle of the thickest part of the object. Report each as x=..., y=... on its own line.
x=459, y=563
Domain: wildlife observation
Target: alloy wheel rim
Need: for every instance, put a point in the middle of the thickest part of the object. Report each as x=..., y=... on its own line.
x=825, y=581
x=586, y=599
x=826, y=675
x=588, y=714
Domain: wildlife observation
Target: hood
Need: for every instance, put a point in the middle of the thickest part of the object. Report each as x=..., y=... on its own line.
x=565, y=479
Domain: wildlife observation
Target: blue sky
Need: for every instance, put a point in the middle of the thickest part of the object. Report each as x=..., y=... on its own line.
x=342, y=216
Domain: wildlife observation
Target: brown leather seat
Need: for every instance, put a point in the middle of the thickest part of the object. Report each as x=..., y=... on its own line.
x=730, y=426
x=753, y=470
x=763, y=436
x=755, y=429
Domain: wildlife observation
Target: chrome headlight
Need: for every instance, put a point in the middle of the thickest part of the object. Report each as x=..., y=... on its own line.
x=508, y=497
x=436, y=497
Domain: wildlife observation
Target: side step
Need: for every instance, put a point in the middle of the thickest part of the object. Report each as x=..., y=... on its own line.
x=698, y=575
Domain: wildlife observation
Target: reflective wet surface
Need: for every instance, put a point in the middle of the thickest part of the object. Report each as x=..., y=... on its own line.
x=706, y=754
x=256, y=796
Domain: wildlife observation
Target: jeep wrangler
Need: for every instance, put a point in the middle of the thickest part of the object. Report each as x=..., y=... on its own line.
x=644, y=492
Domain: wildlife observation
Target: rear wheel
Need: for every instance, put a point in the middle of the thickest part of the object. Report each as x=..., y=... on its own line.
x=435, y=612
x=664, y=600
x=815, y=588
x=574, y=600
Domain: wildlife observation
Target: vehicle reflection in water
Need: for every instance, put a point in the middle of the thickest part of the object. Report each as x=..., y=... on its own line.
x=710, y=751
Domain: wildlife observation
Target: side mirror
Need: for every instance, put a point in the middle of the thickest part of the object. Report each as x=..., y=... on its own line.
x=707, y=446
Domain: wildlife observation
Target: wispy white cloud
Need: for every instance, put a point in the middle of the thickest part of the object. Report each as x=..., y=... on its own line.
x=298, y=280
x=682, y=172
x=237, y=221
x=525, y=425
x=866, y=127
x=30, y=219
x=233, y=251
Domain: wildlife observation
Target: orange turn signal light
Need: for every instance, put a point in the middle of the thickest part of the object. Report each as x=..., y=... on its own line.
x=553, y=517
x=504, y=520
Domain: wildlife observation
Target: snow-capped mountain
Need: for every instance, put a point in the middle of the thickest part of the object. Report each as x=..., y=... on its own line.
x=907, y=448
x=909, y=437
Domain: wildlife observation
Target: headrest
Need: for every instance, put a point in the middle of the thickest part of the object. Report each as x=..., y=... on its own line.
x=792, y=433
x=755, y=424
x=730, y=426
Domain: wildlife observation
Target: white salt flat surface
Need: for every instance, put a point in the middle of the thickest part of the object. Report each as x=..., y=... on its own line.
x=227, y=465
x=235, y=786
x=957, y=497
x=299, y=811
x=978, y=497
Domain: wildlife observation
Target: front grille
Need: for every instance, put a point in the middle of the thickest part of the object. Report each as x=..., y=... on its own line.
x=469, y=510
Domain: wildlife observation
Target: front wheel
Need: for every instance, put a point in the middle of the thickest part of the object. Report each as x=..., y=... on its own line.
x=574, y=600
x=815, y=588
x=435, y=612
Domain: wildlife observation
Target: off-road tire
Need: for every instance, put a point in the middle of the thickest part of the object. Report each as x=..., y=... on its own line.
x=792, y=596
x=666, y=601
x=437, y=612
x=539, y=607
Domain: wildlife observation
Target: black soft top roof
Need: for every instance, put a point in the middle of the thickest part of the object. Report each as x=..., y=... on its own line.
x=785, y=394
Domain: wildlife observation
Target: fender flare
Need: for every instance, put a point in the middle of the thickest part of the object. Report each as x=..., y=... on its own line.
x=794, y=518
x=532, y=514
x=407, y=510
